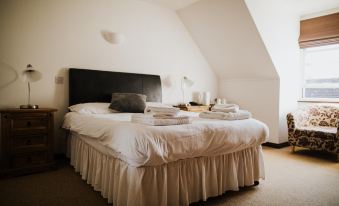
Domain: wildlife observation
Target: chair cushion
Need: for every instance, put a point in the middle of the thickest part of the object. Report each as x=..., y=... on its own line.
x=332, y=130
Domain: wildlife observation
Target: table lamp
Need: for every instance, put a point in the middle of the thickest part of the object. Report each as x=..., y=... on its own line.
x=30, y=75
x=185, y=83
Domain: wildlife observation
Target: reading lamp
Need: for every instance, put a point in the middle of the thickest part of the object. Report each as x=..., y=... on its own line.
x=185, y=83
x=30, y=75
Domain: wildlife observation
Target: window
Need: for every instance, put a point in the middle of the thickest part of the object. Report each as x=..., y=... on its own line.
x=321, y=72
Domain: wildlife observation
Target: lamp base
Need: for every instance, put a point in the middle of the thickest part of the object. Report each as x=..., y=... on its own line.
x=29, y=106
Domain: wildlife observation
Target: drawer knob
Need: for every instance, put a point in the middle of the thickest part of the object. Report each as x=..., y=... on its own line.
x=28, y=142
x=29, y=124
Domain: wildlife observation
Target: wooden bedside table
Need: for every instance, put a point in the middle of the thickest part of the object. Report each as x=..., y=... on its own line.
x=189, y=108
x=26, y=141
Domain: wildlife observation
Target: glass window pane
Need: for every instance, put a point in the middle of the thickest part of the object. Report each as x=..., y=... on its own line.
x=321, y=72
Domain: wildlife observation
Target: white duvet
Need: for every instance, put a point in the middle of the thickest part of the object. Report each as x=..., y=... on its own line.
x=142, y=145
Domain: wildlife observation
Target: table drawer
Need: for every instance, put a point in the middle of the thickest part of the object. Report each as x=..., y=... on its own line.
x=20, y=142
x=30, y=131
x=28, y=159
x=29, y=123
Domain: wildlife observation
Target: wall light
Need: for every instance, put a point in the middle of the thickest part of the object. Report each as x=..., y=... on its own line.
x=112, y=37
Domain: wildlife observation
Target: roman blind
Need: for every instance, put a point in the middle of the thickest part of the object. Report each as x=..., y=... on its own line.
x=319, y=31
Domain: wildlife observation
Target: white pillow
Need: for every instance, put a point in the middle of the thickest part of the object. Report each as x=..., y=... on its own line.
x=92, y=108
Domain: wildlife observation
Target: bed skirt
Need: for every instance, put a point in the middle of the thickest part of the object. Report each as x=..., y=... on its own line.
x=176, y=183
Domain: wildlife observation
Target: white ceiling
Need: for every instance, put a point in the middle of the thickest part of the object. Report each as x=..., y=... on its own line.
x=173, y=4
x=302, y=7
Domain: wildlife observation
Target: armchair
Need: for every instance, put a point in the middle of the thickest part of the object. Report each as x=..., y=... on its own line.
x=315, y=127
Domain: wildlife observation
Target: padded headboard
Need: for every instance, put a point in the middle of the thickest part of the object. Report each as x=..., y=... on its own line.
x=97, y=86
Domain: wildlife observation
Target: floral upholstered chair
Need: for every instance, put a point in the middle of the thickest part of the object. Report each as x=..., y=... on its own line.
x=315, y=127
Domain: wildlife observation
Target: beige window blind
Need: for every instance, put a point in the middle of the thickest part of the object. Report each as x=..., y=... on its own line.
x=319, y=31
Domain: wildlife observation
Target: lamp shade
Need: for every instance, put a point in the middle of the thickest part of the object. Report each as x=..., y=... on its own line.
x=30, y=74
x=187, y=82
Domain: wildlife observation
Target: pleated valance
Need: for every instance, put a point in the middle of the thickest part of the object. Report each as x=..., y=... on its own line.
x=319, y=31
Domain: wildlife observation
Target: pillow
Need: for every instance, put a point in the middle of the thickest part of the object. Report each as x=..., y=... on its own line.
x=91, y=108
x=128, y=102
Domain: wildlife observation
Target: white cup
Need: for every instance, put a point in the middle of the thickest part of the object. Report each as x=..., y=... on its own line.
x=206, y=98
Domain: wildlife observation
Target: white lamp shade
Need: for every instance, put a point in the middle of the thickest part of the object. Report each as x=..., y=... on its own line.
x=31, y=75
x=187, y=82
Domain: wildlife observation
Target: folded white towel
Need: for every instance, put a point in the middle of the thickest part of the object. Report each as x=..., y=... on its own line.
x=162, y=116
x=229, y=109
x=241, y=114
x=171, y=111
x=223, y=106
x=226, y=110
x=160, y=121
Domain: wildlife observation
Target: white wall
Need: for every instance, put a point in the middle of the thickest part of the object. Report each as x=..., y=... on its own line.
x=173, y=4
x=279, y=23
x=54, y=35
x=259, y=96
x=228, y=38
x=280, y=34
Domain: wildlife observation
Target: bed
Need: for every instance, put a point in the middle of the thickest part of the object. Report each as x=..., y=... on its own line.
x=132, y=164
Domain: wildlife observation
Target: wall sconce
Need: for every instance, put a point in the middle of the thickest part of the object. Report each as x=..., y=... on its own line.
x=112, y=37
x=30, y=75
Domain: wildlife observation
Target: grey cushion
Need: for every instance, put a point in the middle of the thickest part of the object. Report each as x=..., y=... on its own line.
x=128, y=102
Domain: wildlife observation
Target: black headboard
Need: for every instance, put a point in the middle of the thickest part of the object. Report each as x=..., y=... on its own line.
x=97, y=86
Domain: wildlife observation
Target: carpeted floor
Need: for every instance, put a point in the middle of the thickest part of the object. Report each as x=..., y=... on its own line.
x=302, y=178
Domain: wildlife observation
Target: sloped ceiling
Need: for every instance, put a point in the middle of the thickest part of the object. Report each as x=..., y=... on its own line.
x=228, y=38
x=173, y=4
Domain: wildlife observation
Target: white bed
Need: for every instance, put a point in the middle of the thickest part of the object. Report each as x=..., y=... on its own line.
x=142, y=165
x=134, y=164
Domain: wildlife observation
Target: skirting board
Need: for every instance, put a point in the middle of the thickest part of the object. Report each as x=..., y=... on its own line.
x=275, y=145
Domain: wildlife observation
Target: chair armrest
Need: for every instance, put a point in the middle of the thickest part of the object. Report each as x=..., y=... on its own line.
x=290, y=122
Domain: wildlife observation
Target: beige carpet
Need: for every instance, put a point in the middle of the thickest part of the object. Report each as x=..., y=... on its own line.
x=302, y=178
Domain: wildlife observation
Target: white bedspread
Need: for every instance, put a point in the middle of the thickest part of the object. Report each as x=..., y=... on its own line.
x=142, y=145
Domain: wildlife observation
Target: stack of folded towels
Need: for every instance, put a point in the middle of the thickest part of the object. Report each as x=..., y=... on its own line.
x=160, y=116
x=226, y=112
